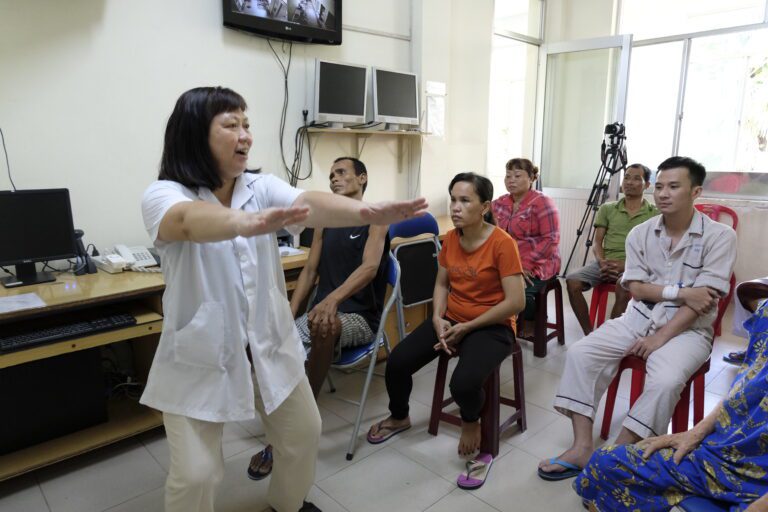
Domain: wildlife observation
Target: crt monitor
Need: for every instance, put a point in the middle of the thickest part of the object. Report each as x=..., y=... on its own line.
x=37, y=226
x=340, y=93
x=395, y=97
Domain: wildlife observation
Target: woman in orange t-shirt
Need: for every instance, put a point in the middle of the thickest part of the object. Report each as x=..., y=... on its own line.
x=478, y=292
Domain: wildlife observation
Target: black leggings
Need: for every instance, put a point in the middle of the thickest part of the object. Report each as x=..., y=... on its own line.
x=480, y=352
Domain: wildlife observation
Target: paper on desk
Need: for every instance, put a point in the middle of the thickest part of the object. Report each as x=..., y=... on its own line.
x=18, y=302
x=290, y=251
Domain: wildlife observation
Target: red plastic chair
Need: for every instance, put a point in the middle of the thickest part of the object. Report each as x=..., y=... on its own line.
x=715, y=212
x=598, y=307
x=679, y=416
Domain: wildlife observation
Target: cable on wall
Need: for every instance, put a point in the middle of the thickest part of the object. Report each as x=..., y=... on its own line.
x=7, y=163
x=286, y=69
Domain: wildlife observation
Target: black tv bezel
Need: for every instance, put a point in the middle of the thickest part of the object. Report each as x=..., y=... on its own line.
x=280, y=29
x=69, y=219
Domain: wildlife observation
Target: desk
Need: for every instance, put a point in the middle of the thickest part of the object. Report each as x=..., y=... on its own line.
x=141, y=294
x=135, y=292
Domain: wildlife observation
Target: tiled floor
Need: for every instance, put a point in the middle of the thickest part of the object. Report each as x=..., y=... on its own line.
x=413, y=472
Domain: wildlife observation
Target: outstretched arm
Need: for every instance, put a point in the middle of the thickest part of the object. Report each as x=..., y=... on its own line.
x=332, y=210
x=200, y=221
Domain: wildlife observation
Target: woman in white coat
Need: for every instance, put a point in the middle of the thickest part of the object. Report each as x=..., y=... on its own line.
x=214, y=227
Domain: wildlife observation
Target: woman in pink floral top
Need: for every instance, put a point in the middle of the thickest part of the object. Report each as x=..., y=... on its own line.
x=533, y=220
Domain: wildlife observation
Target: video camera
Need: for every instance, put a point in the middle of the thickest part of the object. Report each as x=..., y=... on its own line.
x=615, y=133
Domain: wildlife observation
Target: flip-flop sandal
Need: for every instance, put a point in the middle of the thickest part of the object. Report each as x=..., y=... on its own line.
x=378, y=438
x=571, y=470
x=477, y=472
x=264, y=467
x=736, y=358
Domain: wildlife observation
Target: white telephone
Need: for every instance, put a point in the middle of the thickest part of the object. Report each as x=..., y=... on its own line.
x=136, y=257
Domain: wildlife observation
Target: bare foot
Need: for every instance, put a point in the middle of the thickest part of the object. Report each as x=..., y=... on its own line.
x=574, y=455
x=470, y=438
x=386, y=428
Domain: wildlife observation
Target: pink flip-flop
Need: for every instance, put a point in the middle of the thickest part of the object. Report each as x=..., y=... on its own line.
x=477, y=472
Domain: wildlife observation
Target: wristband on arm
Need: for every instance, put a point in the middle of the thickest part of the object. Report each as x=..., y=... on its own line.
x=670, y=292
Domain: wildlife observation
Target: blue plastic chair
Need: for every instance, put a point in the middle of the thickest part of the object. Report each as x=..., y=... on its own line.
x=352, y=356
x=700, y=504
x=418, y=263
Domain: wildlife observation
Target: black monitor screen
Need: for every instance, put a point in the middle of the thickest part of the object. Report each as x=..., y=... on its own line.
x=35, y=225
x=396, y=94
x=342, y=89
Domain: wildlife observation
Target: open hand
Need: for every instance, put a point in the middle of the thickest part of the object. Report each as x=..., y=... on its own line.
x=683, y=443
x=390, y=212
x=269, y=220
x=645, y=346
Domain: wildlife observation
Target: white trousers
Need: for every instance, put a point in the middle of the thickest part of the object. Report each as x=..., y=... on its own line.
x=592, y=362
x=197, y=464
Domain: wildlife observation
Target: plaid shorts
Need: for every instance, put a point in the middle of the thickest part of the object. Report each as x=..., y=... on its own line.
x=354, y=331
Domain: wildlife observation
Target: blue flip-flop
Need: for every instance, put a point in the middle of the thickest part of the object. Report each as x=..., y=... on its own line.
x=571, y=470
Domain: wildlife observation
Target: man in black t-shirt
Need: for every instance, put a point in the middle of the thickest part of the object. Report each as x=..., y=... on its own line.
x=350, y=267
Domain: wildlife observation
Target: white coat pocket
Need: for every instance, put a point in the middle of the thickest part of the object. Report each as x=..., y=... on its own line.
x=202, y=341
x=280, y=324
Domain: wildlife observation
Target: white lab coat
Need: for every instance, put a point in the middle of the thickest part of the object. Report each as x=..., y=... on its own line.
x=220, y=296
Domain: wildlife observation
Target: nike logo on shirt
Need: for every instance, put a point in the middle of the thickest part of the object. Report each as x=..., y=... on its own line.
x=352, y=237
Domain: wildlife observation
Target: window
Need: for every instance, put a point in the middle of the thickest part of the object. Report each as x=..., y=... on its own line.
x=519, y=16
x=725, y=113
x=512, y=102
x=654, y=83
x=647, y=19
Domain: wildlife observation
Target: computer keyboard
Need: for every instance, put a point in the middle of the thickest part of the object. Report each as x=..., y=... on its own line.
x=78, y=329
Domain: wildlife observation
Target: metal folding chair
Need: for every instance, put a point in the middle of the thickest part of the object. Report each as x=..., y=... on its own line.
x=418, y=263
x=352, y=356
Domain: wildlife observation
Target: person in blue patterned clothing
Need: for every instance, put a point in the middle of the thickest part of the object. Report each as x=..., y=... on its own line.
x=723, y=458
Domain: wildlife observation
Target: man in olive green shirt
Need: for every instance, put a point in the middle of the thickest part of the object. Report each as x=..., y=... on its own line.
x=612, y=225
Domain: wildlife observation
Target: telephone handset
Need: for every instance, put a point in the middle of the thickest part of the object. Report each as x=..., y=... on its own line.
x=136, y=257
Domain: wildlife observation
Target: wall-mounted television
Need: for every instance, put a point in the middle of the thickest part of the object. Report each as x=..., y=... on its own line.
x=341, y=93
x=307, y=21
x=395, y=98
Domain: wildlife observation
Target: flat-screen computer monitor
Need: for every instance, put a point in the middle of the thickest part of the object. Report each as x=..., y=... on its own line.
x=340, y=93
x=395, y=98
x=36, y=226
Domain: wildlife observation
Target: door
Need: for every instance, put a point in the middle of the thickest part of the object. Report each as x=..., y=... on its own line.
x=582, y=88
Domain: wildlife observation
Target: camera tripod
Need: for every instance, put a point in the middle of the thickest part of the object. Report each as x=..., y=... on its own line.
x=613, y=159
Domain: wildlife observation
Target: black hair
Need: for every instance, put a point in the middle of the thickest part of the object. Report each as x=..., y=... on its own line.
x=357, y=165
x=696, y=171
x=646, y=171
x=524, y=165
x=483, y=188
x=187, y=157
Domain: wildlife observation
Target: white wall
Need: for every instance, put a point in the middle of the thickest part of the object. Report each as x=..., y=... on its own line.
x=86, y=89
x=452, y=44
x=569, y=20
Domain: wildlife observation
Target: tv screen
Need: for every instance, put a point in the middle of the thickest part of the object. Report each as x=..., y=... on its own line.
x=308, y=21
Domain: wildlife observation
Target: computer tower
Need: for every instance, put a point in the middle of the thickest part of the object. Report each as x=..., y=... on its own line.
x=49, y=398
